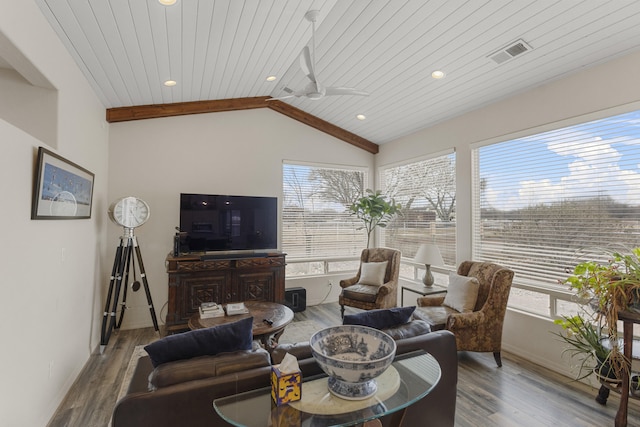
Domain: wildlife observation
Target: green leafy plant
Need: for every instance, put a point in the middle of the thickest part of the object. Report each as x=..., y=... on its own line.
x=584, y=343
x=609, y=288
x=374, y=211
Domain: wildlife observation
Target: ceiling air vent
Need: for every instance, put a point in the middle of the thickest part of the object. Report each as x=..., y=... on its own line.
x=514, y=49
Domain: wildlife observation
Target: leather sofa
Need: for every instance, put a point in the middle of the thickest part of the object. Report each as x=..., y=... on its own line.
x=184, y=390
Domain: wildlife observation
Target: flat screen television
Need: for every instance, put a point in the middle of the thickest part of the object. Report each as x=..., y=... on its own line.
x=223, y=223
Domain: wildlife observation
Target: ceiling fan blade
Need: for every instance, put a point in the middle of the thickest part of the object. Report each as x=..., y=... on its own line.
x=280, y=98
x=344, y=91
x=306, y=64
x=292, y=94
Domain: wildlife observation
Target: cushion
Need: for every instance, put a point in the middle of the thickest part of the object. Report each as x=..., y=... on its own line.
x=372, y=273
x=436, y=317
x=364, y=293
x=180, y=371
x=300, y=350
x=410, y=329
x=462, y=293
x=202, y=342
x=380, y=319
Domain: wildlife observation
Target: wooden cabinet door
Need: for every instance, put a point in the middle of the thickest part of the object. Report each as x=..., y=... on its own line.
x=202, y=287
x=254, y=285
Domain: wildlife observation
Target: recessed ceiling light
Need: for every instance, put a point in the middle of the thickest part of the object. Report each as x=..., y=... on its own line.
x=170, y=83
x=271, y=78
x=167, y=2
x=438, y=74
x=361, y=117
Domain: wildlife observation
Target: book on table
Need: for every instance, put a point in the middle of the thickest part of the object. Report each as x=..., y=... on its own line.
x=236, y=308
x=210, y=309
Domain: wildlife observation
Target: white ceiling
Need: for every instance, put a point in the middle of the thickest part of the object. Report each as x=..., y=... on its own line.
x=5, y=64
x=218, y=49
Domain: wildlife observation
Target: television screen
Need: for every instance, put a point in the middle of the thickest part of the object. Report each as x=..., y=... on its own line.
x=210, y=222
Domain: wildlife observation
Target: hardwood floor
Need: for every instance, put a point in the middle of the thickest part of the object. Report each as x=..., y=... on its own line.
x=518, y=394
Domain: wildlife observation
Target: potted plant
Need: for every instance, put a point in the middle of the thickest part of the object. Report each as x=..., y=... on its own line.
x=634, y=385
x=374, y=211
x=585, y=343
x=609, y=288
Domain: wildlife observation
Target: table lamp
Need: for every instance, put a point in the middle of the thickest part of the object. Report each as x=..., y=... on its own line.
x=428, y=254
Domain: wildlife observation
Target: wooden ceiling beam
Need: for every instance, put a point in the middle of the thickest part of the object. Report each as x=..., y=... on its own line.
x=141, y=112
x=324, y=126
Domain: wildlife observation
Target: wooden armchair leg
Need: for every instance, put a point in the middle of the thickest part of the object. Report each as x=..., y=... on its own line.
x=496, y=355
x=342, y=311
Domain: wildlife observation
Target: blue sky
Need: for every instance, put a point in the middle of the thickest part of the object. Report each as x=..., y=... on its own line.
x=598, y=158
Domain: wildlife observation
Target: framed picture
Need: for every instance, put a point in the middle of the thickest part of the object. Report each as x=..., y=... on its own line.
x=62, y=189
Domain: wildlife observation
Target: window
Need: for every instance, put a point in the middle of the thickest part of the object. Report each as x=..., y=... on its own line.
x=317, y=228
x=426, y=190
x=543, y=202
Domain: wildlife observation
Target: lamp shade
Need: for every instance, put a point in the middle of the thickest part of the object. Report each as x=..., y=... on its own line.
x=429, y=254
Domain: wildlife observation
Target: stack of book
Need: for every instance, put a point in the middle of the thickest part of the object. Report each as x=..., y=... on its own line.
x=210, y=309
x=236, y=308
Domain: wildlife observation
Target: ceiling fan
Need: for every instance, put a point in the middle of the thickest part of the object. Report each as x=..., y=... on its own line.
x=314, y=89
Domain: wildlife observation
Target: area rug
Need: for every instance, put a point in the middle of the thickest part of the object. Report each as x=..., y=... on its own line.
x=138, y=352
x=299, y=331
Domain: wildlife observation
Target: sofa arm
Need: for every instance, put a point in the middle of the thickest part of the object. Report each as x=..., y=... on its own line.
x=439, y=406
x=458, y=321
x=348, y=282
x=301, y=350
x=430, y=301
x=386, y=289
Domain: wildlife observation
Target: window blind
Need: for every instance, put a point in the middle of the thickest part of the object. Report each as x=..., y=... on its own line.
x=316, y=223
x=426, y=189
x=544, y=202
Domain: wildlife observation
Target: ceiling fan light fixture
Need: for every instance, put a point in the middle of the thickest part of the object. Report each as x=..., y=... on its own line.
x=438, y=74
x=167, y=2
x=361, y=117
x=170, y=83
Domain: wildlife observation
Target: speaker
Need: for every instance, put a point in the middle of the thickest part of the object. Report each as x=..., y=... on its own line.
x=296, y=299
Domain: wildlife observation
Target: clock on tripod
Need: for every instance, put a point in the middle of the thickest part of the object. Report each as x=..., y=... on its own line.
x=130, y=213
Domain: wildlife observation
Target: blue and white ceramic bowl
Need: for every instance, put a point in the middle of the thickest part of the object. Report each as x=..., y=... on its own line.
x=353, y=356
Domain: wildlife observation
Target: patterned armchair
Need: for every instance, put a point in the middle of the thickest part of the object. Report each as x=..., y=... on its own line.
x=481, y=329
x=372, y=296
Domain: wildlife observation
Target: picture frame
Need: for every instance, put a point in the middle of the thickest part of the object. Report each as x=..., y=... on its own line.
x=62, y=189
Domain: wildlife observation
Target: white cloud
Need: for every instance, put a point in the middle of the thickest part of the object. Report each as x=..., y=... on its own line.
x=593, y=170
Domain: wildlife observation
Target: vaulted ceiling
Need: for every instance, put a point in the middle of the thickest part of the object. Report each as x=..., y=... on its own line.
x=225, y=49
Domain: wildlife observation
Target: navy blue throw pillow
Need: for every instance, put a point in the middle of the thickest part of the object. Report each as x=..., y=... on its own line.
x=380, y=319
x=202, y=342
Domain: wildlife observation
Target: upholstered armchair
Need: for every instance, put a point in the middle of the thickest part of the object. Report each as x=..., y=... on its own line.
x=477, y=327
x=376, y=283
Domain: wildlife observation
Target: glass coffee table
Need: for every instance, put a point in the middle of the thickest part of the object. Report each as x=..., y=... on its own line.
x=410, y=378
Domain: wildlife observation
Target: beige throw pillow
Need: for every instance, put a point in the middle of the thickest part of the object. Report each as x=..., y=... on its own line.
x=372, y=273
x=462, y=293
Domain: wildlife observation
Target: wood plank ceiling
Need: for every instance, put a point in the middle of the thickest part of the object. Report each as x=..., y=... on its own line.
x=225, y=49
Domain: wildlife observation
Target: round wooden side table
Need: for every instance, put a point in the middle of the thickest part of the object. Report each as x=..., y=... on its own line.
x=269, y=321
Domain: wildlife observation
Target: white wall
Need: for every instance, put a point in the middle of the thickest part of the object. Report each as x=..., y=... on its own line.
x=48, y=327
x=52, y=303
x=601, y=91
x=237, y=152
